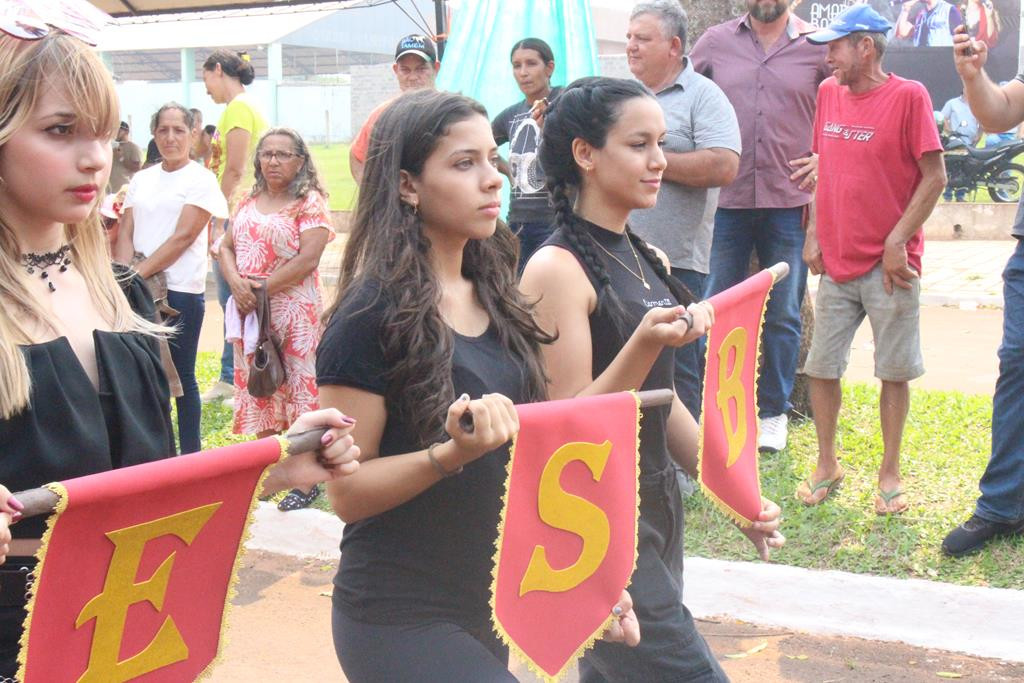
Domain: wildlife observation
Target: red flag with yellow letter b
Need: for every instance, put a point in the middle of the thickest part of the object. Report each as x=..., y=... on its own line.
x=567, y=542
x=137, y=566
x=728, y=454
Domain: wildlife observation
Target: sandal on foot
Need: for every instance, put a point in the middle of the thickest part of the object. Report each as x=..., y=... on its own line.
x=883, y=502
x=830, y=485
x=298, y=499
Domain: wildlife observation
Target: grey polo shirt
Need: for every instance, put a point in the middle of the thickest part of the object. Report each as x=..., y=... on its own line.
x=698, y=116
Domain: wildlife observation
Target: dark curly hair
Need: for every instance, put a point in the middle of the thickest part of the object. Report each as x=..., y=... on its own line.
x=587, y=109
x=387, y=247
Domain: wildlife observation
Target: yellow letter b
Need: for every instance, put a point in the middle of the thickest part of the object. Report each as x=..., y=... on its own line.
x=731, y=389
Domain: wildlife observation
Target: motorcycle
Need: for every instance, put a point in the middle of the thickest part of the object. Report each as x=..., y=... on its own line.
x=993, y=168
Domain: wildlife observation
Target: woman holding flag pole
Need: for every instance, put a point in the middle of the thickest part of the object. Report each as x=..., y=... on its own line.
x=82, y=389
x=618, y=315
x=427, y=316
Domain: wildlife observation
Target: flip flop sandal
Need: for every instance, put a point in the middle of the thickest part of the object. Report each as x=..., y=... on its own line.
x=887, y=497
x=297, y=499
x=830, y=485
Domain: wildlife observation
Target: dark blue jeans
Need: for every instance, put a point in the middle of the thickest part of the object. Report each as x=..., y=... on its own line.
x=184, y=345
x=531, y=236
x=777, y=235
x=227, y=355
x=689, y=374
x=1002, y=485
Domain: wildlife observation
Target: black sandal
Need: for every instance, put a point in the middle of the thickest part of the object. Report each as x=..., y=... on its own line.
x=297, y=499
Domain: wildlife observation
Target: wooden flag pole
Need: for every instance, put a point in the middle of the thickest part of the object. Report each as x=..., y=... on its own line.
x=42, y=501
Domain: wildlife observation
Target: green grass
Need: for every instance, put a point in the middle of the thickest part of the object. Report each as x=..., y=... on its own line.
x=946, y=446
x=332, y=162
x=945, y=449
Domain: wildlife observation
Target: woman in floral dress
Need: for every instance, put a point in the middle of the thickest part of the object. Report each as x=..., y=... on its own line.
x=277, y=236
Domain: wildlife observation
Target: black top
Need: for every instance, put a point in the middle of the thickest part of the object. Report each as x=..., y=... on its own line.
x=607, y=343
x=430, y=557
x=70, y=429
x=528, y=200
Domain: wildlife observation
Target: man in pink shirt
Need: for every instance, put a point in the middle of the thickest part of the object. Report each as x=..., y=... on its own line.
x=770, y=74
x=879, y=176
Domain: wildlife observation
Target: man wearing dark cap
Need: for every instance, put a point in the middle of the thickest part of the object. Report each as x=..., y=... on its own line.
x=415, y=68
x=127, y=159
x=879, y=175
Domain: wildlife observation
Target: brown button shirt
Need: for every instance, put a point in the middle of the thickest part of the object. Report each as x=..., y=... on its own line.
x=773, y=93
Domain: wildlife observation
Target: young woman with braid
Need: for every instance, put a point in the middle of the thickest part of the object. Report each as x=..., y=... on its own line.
x=427, y=311
x=618, y=315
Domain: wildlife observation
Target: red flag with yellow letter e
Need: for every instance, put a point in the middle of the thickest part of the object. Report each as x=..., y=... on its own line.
x=728, y=454
x=567, y=540
x=137, y=566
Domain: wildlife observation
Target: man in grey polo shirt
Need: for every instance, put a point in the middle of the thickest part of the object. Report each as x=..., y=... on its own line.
x=702, y=148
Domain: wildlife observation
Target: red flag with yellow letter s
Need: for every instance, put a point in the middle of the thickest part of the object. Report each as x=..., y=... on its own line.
x=137, y=566
x=728, y=454
x=567, y=541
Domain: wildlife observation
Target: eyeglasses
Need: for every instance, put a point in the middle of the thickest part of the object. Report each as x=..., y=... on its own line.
x=283, y=157
x=33, y=20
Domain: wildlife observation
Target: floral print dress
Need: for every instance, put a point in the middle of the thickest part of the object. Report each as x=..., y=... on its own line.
x=263, y=243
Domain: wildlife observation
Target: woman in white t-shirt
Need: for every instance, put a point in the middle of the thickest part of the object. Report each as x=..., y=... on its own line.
x=165, y=214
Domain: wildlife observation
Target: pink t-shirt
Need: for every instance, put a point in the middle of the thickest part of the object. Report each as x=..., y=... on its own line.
x=869, y=145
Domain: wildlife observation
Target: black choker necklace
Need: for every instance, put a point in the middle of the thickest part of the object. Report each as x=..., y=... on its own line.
x=32, y=262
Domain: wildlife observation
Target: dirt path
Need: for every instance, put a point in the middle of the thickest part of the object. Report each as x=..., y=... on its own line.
x=279, y=629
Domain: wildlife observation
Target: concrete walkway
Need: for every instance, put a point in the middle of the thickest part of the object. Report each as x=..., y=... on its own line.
x=985, y=622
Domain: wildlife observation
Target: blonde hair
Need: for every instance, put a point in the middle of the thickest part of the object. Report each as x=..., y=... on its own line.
x=27, y=69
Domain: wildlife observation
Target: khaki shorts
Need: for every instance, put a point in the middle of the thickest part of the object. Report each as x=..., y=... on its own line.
x=839, y=309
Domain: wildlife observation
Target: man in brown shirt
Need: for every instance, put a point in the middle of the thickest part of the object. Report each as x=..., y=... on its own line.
x=770, y=74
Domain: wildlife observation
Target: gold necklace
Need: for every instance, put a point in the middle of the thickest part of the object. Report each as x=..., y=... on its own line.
x=629, y=270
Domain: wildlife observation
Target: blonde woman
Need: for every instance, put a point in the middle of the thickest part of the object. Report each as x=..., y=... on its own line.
x=81, y=385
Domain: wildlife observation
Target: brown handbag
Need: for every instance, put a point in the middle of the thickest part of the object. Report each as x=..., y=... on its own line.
x=266, y=372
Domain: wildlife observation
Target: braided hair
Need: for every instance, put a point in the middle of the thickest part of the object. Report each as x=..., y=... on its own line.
x=588, y=108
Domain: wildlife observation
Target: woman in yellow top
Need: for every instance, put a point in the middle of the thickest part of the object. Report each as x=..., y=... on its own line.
x=226, y=73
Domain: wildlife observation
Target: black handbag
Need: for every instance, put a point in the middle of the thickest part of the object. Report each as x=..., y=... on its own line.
x=266, y=372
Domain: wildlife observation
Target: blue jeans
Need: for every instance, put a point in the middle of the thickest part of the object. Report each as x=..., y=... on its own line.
x=184, y=345
x=777, y=235
x=531, y=236
x=689, y=374
x=1002, y=485
x=227, y=355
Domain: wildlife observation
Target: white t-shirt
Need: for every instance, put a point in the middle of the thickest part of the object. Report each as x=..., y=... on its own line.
x=156, y=198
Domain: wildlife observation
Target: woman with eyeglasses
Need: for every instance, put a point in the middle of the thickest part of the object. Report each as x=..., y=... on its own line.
x=165, y=212
x=277, y=236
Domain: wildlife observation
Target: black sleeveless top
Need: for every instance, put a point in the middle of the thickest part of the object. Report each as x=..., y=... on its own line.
x=607, y=342
x=71, y=429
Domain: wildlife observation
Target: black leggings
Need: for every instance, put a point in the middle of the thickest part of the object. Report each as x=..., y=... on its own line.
x=671, y=650
x=427, y=651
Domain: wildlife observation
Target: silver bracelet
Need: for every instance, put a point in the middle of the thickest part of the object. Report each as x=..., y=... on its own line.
x=437, y=463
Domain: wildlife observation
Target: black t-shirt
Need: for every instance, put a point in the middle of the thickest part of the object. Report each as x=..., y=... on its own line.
x=528, y=198
x=430, y=557
x=607, y=342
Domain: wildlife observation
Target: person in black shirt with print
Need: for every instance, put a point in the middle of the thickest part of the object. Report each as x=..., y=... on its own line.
x=619, y=315
x=427, y=315
x=529, y=212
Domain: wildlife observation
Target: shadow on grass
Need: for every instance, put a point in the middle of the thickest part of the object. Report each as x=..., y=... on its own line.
x=945, y=449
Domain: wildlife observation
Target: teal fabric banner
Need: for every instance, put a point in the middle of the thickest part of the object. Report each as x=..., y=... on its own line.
x=476, y=59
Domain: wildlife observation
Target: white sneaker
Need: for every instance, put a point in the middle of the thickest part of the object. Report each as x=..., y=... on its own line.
x=774, y=432
x=218, y=392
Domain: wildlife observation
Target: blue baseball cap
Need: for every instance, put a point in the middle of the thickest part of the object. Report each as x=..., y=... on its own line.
x=854, y=18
